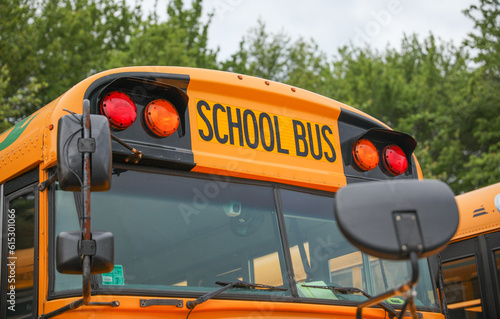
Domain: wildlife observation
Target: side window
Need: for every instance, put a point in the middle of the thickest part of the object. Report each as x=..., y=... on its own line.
x=462, y=288
x=19, y=224
x=471, y=277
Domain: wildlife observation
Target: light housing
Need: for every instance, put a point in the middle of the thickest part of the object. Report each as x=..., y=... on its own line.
x=395, y=160
x=120, y=110
x=365, y=155
x=161, y=118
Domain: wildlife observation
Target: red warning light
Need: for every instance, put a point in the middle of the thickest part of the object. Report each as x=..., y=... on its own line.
x=120, y=110
x=395, y=160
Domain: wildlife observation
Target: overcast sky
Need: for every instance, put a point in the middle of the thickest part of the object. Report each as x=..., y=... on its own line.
x=334, y=23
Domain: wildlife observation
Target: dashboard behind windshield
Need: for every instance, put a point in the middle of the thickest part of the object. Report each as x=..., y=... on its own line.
x=181, y=234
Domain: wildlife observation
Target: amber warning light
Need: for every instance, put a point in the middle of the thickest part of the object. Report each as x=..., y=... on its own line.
x=161, y=118
x=365, y=155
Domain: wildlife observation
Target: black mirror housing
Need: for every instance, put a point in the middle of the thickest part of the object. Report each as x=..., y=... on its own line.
x=390, y=219
x=69, y=256
x=70, y=160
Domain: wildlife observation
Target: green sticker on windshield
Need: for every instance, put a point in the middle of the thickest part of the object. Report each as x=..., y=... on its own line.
x=115, y=277
x=395, y=301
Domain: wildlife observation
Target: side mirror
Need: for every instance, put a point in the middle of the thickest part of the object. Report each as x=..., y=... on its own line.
x=70, y=144
x=398, y=220
x=391, y=219
x=69, y=254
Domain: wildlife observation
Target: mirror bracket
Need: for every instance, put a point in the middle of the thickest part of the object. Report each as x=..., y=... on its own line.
x=408, y=231
x=86, y=145
x=88, y=247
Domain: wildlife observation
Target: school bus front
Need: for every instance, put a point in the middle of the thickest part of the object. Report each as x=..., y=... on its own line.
x=218, y=180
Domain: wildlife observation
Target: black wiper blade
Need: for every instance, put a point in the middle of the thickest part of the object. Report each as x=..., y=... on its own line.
x=353, y=290
x=240, y=284
x=243, y=284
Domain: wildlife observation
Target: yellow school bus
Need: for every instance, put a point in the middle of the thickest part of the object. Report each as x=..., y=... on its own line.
x=471, y=262
x=220, y=202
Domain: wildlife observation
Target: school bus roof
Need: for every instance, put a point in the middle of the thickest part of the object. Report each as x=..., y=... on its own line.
x=32, y=142
x=479, y=212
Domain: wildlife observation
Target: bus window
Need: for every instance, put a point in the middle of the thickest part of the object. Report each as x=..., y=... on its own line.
x=471, y=262
x=175, y=233
x=462, y=288
x=19, y=246
x=321, y=256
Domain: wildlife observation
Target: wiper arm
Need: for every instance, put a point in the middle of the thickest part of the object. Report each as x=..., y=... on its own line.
x=352, y=290
x=240, y=284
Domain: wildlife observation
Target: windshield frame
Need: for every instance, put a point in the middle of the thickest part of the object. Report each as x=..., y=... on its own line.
x=229, y=295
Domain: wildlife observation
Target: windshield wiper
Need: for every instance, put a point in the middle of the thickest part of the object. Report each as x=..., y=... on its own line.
x=240, y=284
x=353, y=290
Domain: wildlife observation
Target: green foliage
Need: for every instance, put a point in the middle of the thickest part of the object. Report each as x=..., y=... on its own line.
x=61, y=42
x=277, y=57
x=14, y=105
x=483, y=115
x=431, y=89
x=181, y=40
x=76, y=38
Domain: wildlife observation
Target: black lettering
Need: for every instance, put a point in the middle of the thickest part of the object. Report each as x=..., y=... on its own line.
x=278, y=138
x=255, y=142
x=269, y=147
x=236, y=124
x=206, y=137
x=311, y=142
x=300, y=137
x=333, y=157
x=222, y=140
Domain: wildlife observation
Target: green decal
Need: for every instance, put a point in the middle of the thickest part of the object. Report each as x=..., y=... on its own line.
x=115, y=277
x=395, y=301
x=16, y=132
x=311, y=292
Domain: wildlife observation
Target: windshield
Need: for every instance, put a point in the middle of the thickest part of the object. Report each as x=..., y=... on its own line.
x=321, y=256
x=182, y=234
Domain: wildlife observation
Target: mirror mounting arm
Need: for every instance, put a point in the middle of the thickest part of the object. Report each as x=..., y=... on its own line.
x=86, y=233
x=404, y=289
x=136, y=155
x=43, y=185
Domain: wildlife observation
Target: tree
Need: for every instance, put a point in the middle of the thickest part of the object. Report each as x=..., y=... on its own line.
x=277, y=57
x=483, y=160
x=76, y=38
x=180, y=40
x=61, y=42
x=17, y=89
